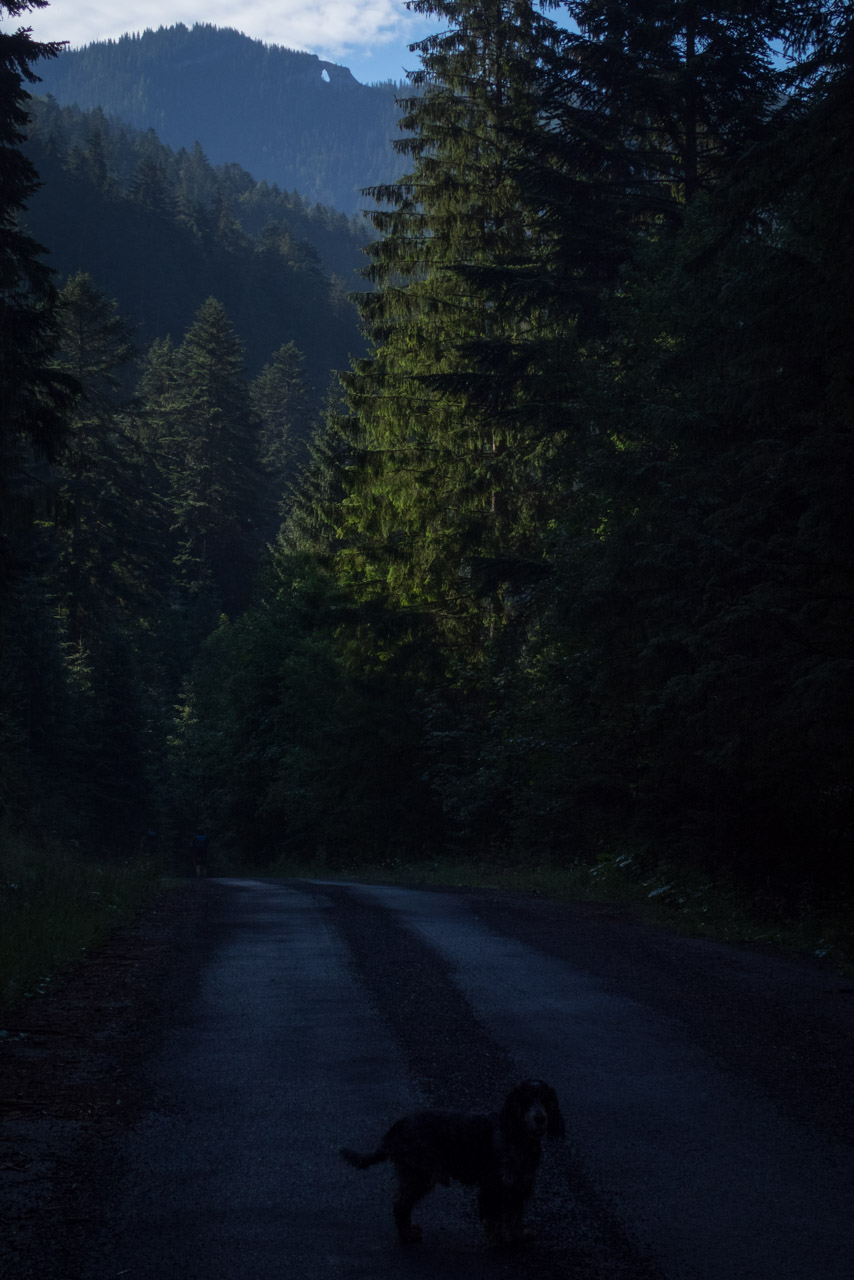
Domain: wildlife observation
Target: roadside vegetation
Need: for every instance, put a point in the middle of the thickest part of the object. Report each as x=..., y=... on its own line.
x=55, y=903
x=678, y=898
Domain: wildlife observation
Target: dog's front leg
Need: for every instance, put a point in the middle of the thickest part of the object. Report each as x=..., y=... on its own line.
x=490, y=1208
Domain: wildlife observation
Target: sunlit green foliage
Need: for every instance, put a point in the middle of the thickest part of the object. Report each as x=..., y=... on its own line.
x=591, y=482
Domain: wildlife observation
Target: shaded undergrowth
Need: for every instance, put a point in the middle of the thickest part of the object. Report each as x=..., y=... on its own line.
x=55, y=902
x=684, y=899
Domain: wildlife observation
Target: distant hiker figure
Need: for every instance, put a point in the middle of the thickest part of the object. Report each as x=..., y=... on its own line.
x=149, y=843
x=200, y=854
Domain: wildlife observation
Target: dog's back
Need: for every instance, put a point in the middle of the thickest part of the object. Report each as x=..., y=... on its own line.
x=445, y=1144
x=442, y=1144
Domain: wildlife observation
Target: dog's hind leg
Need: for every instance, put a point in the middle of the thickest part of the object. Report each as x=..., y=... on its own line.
x=412, y=1186
x=517, y=1232
x=502, y=1220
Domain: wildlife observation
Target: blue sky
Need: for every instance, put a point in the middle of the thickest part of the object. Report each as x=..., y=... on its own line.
x=368, y=36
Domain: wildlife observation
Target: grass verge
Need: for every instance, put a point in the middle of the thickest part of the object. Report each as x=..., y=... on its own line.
x=54, y=903
x=680, y=899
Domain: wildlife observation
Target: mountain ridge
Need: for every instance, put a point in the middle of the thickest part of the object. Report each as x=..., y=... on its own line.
x=289, y=117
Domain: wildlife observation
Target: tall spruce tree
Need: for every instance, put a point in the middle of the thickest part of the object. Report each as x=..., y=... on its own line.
x=454, y=414
x=677, y=682
x=156, y=392
x=213, y=458
x=105, y=577
x=34, y=395
x=736, y=505
x=107, y=525
x=280, y=400
x=674, y=91
x=35, y=400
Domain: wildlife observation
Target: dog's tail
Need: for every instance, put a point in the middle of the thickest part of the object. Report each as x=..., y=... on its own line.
x=364, y=1161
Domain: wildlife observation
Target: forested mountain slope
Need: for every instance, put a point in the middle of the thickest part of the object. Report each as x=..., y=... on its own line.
x=153, y=410
x=307, y=125
x=161, y=231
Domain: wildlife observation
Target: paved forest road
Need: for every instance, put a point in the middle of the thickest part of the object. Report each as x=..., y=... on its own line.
x=707, y=1094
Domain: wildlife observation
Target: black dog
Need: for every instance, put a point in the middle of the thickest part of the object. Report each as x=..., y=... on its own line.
x=497, y=1154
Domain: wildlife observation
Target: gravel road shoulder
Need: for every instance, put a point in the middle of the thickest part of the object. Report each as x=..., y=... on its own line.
x=67, y=1078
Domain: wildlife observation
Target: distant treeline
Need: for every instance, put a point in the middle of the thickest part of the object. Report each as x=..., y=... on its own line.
x=160, y=231
x=122, y=552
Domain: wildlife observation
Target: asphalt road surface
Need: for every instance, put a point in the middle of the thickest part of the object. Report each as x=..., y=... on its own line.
x=706, y=1090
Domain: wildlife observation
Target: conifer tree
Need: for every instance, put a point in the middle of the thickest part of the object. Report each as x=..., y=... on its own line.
x=156, y=391
x=280, y=402
x=673, y=92
x=99, y=535
x=452, y=420
x=34, y=396
x=212, y=449
x=674, y=681
x=102, y=571
x=314, y=496
x=35, y=400
x=96, y=341
x=152, y=188
x=743, y=689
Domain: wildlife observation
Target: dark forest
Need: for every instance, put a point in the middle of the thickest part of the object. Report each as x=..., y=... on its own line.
x=558, y=566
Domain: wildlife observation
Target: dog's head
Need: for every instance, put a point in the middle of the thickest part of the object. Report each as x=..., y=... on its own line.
x=532, y=1108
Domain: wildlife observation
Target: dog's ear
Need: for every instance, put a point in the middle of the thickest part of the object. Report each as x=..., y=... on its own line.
x=557, y=1128
x=515, y=1105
